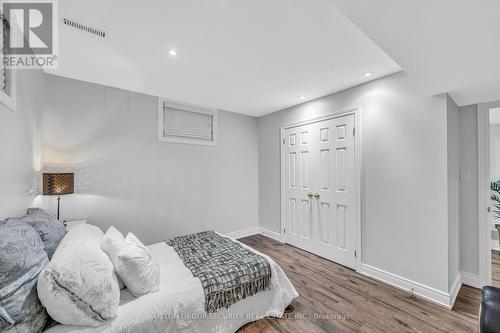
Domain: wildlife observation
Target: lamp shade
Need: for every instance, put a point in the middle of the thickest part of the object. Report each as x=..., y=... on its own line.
x=58, y=183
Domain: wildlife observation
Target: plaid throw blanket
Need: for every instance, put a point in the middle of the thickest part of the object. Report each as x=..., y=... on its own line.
x=228, y=272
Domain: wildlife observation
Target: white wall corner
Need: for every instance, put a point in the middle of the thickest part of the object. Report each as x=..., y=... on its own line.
x=434, y=295
x=255, y=231
x=455, y=289
x=471, y=280
x=243, y=233
x=271, y=234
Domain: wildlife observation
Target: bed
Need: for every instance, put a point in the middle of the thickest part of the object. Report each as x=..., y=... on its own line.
x=179, y=306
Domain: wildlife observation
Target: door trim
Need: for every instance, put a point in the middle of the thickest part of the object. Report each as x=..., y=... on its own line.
x=356, y=111
x=483, y=166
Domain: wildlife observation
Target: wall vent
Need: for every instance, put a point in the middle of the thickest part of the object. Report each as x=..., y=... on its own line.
x=84, y=27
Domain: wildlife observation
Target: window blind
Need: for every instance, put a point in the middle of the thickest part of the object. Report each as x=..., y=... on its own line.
x=178, y=123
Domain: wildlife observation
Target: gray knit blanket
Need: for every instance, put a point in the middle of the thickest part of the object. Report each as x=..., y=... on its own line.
x=228, y=272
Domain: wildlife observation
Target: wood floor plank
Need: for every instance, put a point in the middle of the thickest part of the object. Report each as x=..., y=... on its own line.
x=334, y=298
x=495, y=268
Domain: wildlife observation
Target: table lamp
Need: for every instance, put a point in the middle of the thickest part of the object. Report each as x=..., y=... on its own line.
x=58, y=184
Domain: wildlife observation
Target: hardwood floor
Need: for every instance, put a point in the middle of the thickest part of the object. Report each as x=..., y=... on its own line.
x=336, y=299
x=495, y=268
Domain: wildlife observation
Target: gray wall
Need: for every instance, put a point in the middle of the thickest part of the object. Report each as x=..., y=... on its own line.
x=20, y=144
x=453, y=189
x=404, y=176
x=469, y=247
x=128, y=179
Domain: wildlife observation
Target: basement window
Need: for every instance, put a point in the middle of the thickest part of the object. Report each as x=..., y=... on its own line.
x=185, y=123
x=7, y=76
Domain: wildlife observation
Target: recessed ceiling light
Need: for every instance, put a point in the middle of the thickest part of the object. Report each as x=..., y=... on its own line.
x=172, y=52
x=302, y=97
x=368, y=74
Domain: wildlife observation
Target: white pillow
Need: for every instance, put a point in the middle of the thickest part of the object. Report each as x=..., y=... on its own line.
x=136, y=267
x=132, y=239
x=112, y=242
x=79, y=286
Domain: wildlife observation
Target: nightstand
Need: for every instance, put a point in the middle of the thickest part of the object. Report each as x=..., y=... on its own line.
x=71, y=224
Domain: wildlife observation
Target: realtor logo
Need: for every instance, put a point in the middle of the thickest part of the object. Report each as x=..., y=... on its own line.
x=30, y=33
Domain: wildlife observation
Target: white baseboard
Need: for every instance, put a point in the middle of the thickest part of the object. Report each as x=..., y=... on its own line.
x=429, y=293
x=470, y=279
x=255, y=231
x=271, y=234
x=243, y=233
x=455, y=289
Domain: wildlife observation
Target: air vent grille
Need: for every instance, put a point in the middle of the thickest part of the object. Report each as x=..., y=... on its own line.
x=84, y=27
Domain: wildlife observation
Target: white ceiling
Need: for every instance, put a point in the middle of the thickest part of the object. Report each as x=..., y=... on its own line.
x=445, y=45
x=252, y=57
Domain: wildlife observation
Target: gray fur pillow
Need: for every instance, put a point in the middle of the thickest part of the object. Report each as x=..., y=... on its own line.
x=79, y=285
x=22, y=257
x=50, y=229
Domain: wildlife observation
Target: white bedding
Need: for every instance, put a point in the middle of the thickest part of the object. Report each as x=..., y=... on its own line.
x=179, y=305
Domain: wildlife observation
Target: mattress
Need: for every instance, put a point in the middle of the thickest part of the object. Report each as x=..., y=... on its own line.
x=179, y=305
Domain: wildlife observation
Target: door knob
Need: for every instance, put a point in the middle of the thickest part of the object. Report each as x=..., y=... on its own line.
x=316, y=195
x=310, y=194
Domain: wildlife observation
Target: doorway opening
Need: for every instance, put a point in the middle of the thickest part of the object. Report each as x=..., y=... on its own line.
x=489, y=193
x=494, y=216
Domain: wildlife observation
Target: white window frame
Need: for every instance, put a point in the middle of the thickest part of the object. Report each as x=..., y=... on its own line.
x=5, y=99
x=191, y=108
x=9, y=98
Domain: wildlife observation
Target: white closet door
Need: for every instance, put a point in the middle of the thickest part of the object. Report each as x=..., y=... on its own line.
x=300, y=182
x=320, y=189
